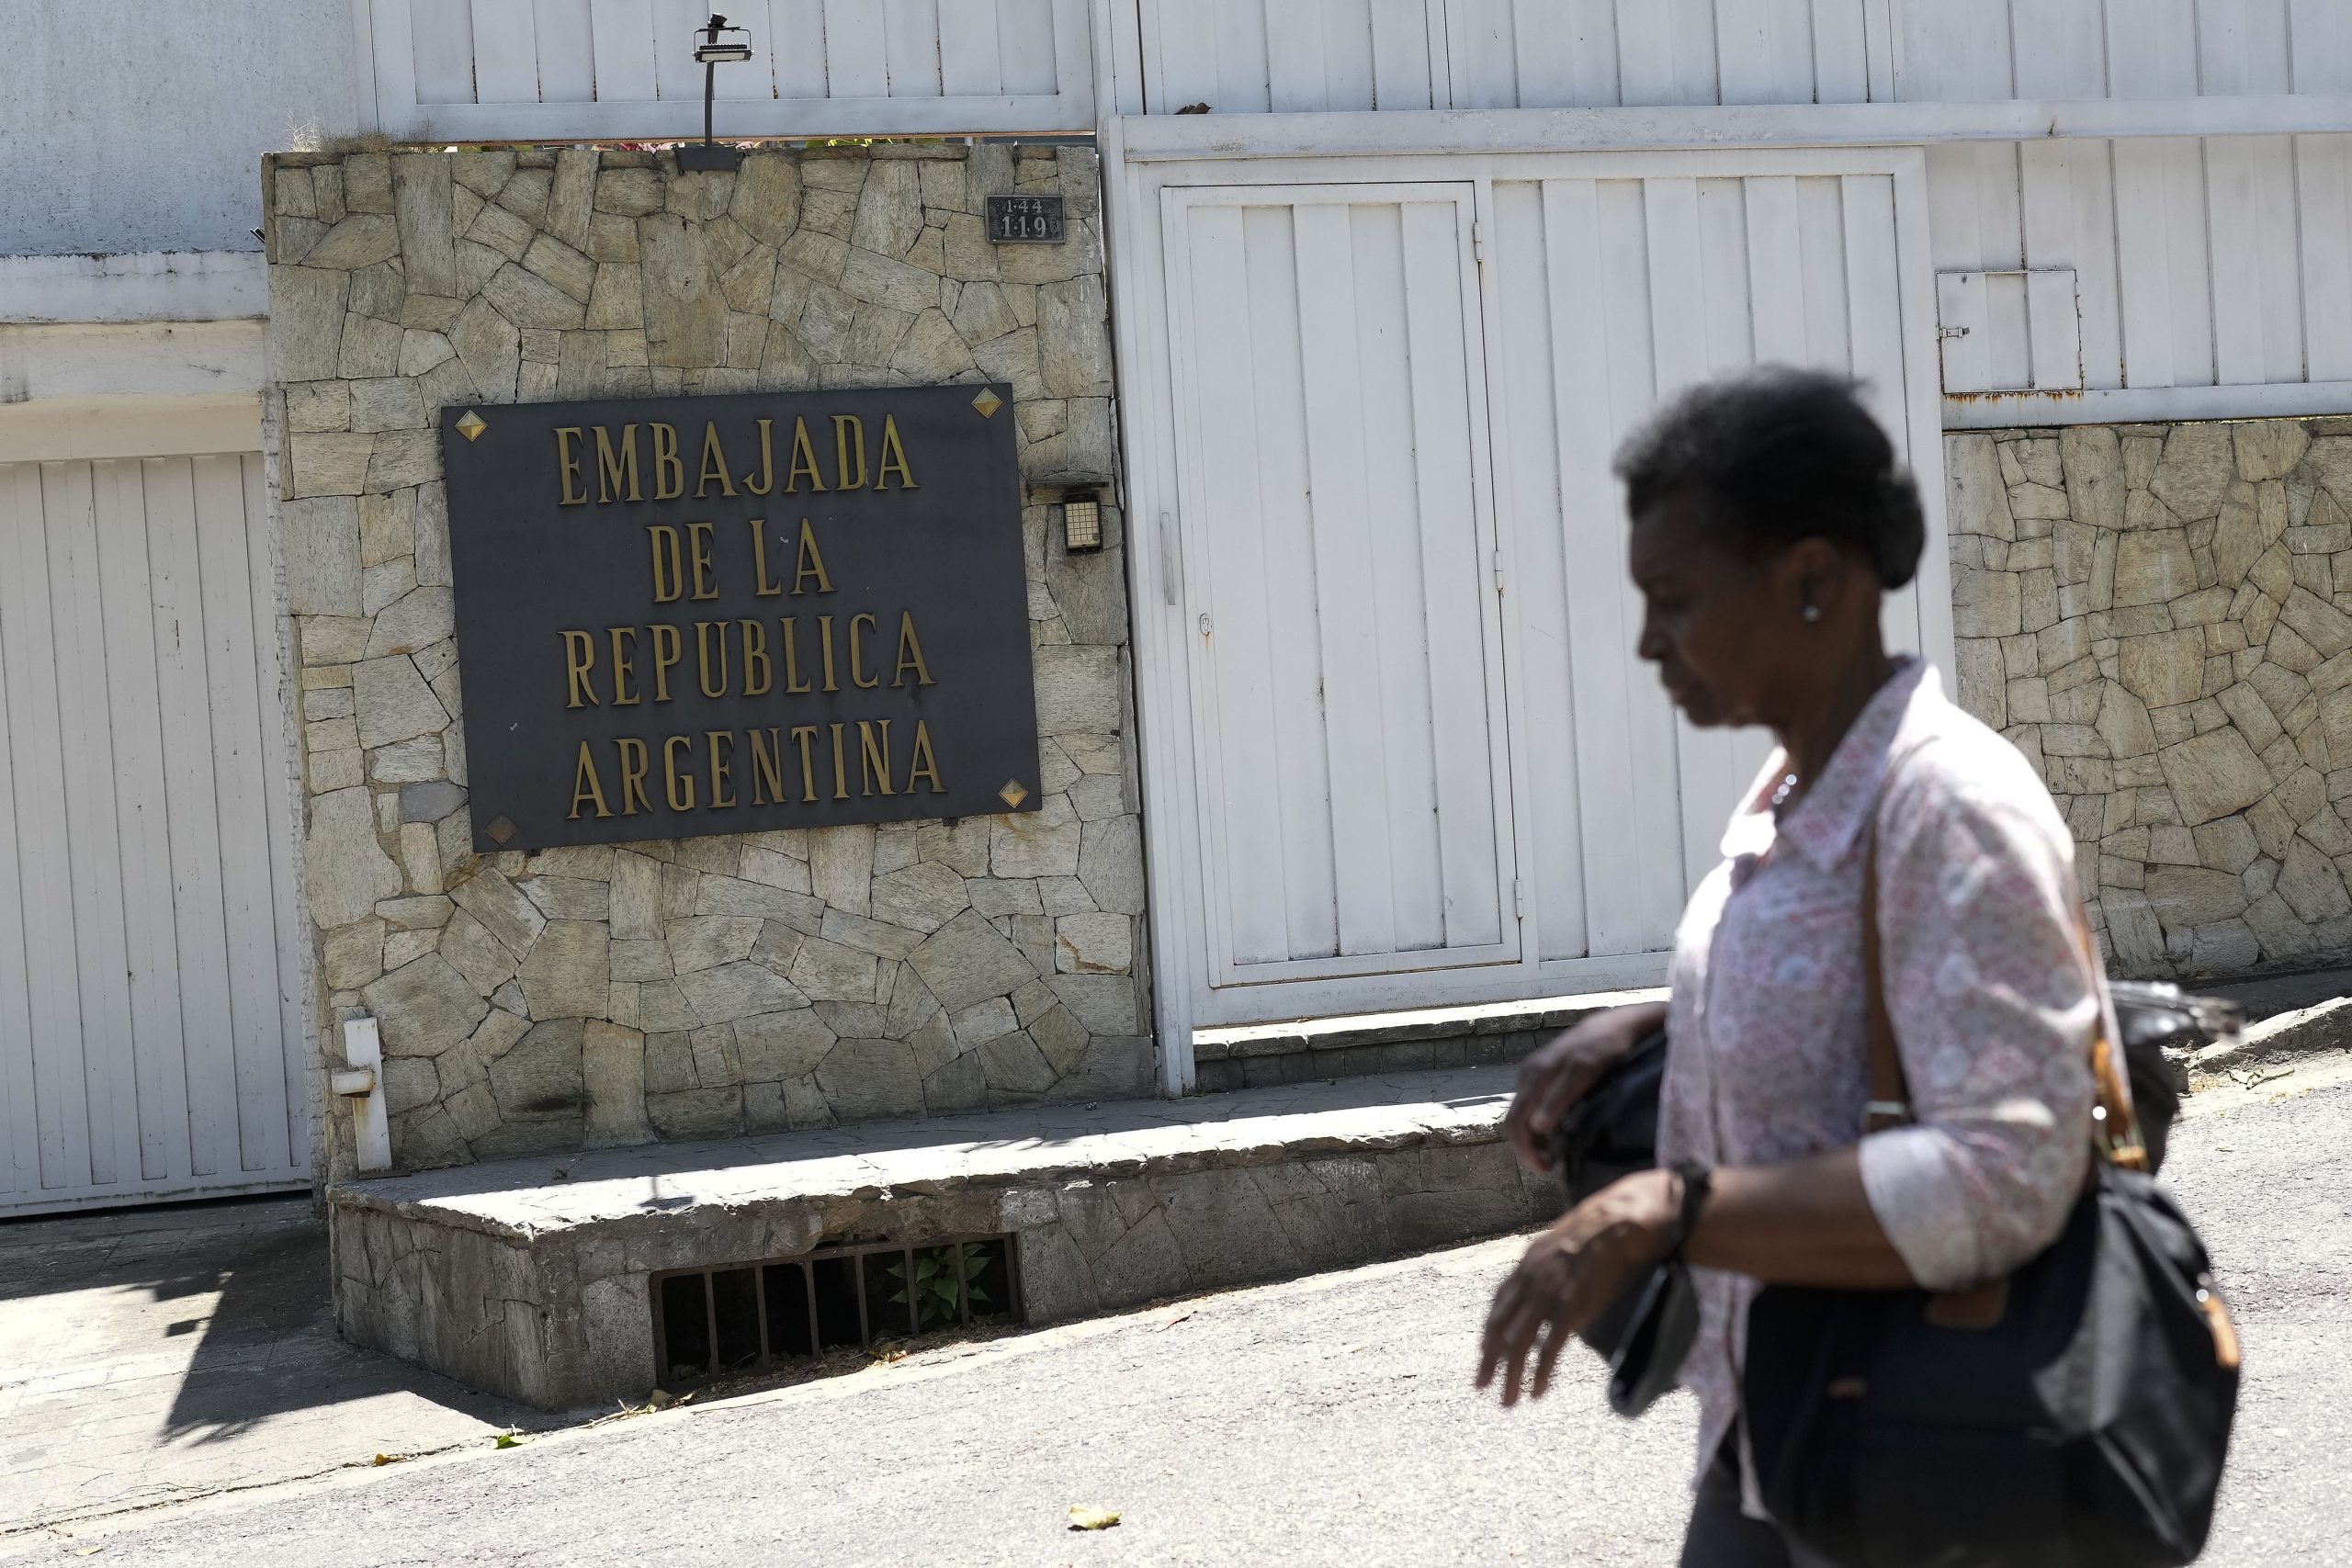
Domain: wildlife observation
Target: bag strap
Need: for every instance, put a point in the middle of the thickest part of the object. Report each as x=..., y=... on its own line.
x=2115, y=1127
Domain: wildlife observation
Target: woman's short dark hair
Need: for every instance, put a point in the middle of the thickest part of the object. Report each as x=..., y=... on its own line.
x=1784, y=455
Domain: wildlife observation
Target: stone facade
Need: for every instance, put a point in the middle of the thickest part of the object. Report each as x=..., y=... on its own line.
x=2161, y=617
x=706, y=987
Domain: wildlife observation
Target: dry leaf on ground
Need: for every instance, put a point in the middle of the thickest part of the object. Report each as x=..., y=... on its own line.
x=1082, y=1517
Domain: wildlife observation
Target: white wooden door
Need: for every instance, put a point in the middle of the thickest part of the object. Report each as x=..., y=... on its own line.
x=150, y=1033
x=1608, y=296
x=1347, y=723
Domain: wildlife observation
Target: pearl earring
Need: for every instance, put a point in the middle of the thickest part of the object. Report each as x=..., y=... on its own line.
x=1813, y=611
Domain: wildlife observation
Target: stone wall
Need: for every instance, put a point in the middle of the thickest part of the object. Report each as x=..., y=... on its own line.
x=2161, y=617
x=700, y=988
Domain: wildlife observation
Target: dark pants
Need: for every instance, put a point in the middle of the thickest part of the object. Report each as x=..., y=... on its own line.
x=1721, y=1535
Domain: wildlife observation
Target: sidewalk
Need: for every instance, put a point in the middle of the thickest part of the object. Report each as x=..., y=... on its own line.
x=156, y=1355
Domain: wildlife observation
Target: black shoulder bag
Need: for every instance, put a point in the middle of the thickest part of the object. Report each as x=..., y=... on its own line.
x=2075, y=1414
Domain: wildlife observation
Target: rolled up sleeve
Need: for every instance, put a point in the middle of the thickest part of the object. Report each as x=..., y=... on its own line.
x=1994, y=1007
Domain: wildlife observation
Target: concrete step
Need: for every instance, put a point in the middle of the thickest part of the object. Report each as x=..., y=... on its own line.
x=533, y=1278
x=1306, y=1049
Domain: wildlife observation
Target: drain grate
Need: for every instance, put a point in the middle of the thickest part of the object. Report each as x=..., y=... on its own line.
x=738, y=1317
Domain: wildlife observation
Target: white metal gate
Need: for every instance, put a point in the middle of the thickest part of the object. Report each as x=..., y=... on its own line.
x=150, y=1025
x=1321, y=843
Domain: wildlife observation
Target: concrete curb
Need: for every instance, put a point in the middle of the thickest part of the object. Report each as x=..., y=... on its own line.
x=2326, y=1026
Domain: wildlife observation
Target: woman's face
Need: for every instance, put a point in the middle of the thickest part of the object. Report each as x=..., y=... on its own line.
x=1724, y=630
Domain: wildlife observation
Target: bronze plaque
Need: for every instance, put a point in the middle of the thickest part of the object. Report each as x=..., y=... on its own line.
x=690, y=616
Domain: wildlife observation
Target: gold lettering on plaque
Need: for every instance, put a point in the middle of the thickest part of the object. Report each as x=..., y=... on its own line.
x=667, y=571
x=849, y=435
x=759, y=670
x=698, y=537
x=761, y=587
x=840, y=772
x=894, y=458
x=767, y=765
x=702, y=656
x=586, y=788
x=616, y=471
x=923, y=765
x=567, y=462
x=910, y=653
x=713, y=464
x=804, y=461
x=801, y=735
x=767, y=460
x=623, y=697
x=794, y=686
x=635, y=764
x=873, y=759
x=579, y=663
x=680, y=785
x=858, y=654
x=669, y=469
x=669, y=652
x=809, y=563
x=720, y=771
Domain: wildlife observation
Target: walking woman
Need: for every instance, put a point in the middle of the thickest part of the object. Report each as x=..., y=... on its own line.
x=1769, y=518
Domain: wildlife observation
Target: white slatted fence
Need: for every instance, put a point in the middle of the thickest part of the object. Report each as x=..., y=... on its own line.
x=557, y=70
x=152, y=1036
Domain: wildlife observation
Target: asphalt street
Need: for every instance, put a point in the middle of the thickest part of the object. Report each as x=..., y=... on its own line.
x=1321, y=1421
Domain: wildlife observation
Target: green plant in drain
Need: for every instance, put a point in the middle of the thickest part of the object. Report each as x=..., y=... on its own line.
x=934, y=1282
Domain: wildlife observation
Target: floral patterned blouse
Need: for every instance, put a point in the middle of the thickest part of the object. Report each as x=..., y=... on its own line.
x=1992, y=998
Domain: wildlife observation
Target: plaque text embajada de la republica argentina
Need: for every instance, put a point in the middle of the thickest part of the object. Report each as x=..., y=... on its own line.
x=690, y=616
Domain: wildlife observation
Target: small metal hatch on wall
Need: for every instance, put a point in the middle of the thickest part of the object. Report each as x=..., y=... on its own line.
x=741, y=1317
x=2009, y=332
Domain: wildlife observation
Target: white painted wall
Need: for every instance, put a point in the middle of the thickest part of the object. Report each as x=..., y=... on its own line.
x=139, y=125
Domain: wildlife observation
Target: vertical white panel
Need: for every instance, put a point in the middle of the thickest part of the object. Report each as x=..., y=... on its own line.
x=2058, y=49
x=1482, y=53
x=1841, y=71
x=911, y=44
x=2143, y=264
x=280, y=807
x=857, y=61
x=441, y=41
x=507, y=52
x=150, y=952
x=1025, y=53
x=797, y=29
x=677, y=76
x=21, y=1171
x=1645, y=53
x=1695, y=76
x=28, y=656
x=1875, y=295
x=1766, y=48
x=1545, y=45
x=2322, y=53
x=1417, y=623
x=1533, y=510
x=175, y=577
x=1964, y=320
x=1630, y=827
x=2257, y=314
x=1347, y=53
x=1594, y=83
x=2054, y=327
x=1402, y=76
x=1464, y=749
x=2324, y=188
x=2242, y=48
x=246, y=891
x=564, y=33
x=2279, y=268
x=2068, y=205
x=1821, y=227
x=2152, y=49
x=1356, y=755
x=92, y=843
x=2008, y=345
x=1775, y=269
x=1295, y=74
x=968, y=61
x=621, y=36
x=1956, y=50
x=1182, y=65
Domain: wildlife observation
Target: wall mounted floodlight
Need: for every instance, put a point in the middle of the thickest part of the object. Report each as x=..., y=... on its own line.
x=720, y=45
x=1081, y=520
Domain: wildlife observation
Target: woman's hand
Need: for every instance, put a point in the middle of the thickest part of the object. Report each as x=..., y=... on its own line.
x=1571, y=1272
x=1564, y=1068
